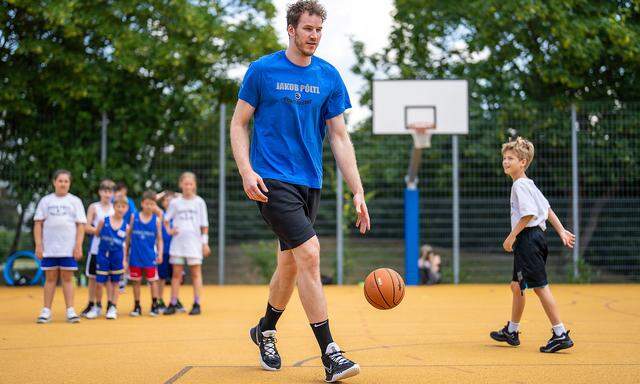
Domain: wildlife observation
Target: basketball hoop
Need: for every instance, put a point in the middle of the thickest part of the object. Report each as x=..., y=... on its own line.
x=421, y=132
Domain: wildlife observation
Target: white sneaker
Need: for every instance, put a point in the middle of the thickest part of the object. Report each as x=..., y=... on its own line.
x=94, y=312
x=112, y=313
x=72, y=316
x=45, y=316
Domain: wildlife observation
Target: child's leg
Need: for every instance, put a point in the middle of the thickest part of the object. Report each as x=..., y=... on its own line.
x=92, y=290
x=136, y=290
x=518, y=303
x=155, y=289
x=67, y=287
x=160, y=289
x=98, y=291
x=196, y=277
x=115, y=289
x=175, y=282
x=51, y=280
x=549, y=304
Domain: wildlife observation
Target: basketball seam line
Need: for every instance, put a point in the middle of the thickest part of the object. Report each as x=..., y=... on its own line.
x=375, y=280
x=393, y=285
x=370, y=300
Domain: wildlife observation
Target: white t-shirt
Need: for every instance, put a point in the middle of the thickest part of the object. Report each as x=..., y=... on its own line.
x=100, y=213
x=189, y=216
x=526, y=199
x=59, y=215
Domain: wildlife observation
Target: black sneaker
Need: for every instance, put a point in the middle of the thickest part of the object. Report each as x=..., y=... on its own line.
x=336, y=366
x=195, y=310
x=505, y=336
x=86, y=310
x=266, y=342
x=155, y=311
x=137, y=311
x=557, y=343
x=170, y=310
x=180, y=307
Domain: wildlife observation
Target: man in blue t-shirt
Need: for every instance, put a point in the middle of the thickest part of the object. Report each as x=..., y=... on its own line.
x=295, y=99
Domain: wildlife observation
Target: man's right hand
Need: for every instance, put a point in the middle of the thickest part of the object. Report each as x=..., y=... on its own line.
x=254, y=186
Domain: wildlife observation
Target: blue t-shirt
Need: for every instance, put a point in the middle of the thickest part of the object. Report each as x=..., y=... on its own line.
x=292, y=104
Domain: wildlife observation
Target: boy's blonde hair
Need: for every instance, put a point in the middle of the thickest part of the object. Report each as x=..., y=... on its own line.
x=522, y=147
x=120, y=200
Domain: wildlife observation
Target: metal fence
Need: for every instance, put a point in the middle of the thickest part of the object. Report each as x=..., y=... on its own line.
x=595, y=171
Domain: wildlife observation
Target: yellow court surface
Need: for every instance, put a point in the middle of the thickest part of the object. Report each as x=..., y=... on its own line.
x=437, y=335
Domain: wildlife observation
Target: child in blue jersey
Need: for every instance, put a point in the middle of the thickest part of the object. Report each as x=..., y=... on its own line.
x=110, y=262
x=144, y=242
x=164, y=268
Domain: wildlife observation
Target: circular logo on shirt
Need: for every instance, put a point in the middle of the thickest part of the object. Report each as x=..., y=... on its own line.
x=298, y=96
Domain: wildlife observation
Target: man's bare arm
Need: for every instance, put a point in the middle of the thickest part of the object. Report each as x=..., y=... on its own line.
x=346, y=159
x=252, y=182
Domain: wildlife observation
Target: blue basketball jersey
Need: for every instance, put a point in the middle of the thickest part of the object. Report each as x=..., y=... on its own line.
x=143, y=242
x=112, y=240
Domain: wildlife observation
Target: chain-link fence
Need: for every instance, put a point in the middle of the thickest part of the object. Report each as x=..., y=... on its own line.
x=608, y=196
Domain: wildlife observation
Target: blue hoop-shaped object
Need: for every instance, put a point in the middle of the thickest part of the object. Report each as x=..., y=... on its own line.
x=8, y=267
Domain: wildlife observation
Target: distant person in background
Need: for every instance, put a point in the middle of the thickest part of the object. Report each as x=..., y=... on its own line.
x=429, y=265
x=144, y=243
x=96, y=213
x=164, y=268
x=190, y=242
x=58, y=233
x=121, y=192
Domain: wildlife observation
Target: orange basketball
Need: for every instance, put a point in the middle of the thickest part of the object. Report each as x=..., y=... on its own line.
x=384, y=288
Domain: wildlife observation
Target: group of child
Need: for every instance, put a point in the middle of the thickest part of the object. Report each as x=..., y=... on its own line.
x=153, y=244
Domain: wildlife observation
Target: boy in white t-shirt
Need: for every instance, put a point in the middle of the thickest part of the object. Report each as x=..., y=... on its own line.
x=95, y=214
x=190, y=241
x=58, y=232
x=529, y=212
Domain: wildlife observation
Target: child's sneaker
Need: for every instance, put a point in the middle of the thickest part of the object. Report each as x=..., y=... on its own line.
x=137, y=311
x=336, y=366
x=112, y=313
x=170, y=310
x=45, y=316
x=155, y=310
x=94, y=313
x=180, y=307
x=86, y=310
x=72, y=316
x=161, y=306
x=195, y=310
x=557, y=343
x=505, y=336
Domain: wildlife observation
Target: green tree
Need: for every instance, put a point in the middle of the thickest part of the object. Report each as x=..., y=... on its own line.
x=156, y=68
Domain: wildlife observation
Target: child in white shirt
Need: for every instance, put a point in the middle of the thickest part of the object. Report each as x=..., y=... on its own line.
x=58, y=232
x=529, y=212
x=189, y=242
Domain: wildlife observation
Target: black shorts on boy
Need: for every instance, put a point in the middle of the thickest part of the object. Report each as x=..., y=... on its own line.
x=529, y=258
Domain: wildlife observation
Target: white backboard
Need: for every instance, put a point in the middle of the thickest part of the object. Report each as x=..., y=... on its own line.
x=399, y=103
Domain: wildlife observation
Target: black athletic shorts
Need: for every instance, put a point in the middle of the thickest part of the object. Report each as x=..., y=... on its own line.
x=290, y=212
x=529, y=258
x=90, y=270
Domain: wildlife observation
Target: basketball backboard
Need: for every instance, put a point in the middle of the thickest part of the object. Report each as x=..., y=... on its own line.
x=399, y=105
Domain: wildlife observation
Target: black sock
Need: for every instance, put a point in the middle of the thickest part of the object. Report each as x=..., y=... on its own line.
x=137, y=303
x=99, y=304
x=154, y=301
x=110, y=304
x=323, y=334
x=91, y=304
x=271, y=316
